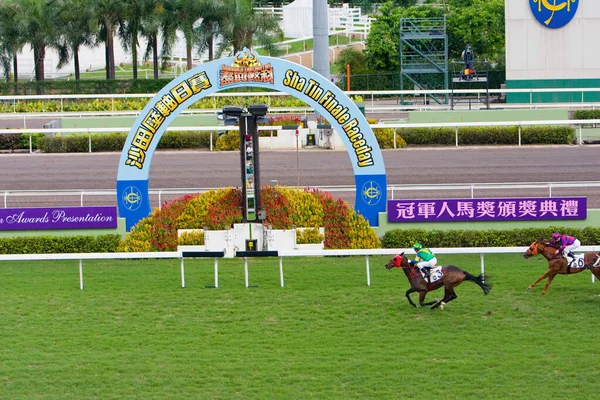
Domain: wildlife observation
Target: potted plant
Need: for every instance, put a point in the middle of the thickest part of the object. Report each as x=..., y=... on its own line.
x=322, y=123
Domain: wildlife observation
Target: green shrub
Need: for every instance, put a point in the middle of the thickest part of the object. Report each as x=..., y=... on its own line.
x=59, y=244
x=113, y=141
x=309, y=236
x=185, y=140
x=10, y=141
x=228, y=141
x=194, y=238
x=499, y=135
x=586, y=114
x=64, y=144
x=220, y=209
x=404, y=238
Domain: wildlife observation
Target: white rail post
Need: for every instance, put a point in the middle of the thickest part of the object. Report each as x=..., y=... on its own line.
x=211, y=141
x=216, y=272
x=456, y=136
x=30, y=144
x=281, y=271
x=580, y=135
x=81, y=274
x=482, y=266
x=182, y=274
x=89, y=140
x=519, y=134
x=246, y=271
x=368, y=272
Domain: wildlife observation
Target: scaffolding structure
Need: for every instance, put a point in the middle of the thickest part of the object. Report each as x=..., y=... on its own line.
x=466, y=74
x=424, y=55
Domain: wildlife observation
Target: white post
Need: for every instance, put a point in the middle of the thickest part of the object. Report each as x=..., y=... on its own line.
x=519, y=134
x=281, y=271
x=246, y=270
x=456, y=136
x=89, y=141
x=580, y=135
x=368, y=273
x=593, y=278
x=482, y=265
x=81, y=274
x=216, y=272
x=182, y=274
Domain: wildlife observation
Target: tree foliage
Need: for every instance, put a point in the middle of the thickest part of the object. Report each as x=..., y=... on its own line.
x=476, y=22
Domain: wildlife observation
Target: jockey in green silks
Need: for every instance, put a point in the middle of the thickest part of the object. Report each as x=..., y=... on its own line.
x=425, y=259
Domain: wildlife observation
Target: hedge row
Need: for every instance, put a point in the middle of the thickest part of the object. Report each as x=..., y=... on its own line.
x=116, y=140
x=586, y=114
x=404, y=238
x=59, y=244
x=495, y=135
x=385, y=137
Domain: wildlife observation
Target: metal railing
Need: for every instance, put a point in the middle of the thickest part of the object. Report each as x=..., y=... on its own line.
x=280, y=254
x=456, y=125
x=470, y=189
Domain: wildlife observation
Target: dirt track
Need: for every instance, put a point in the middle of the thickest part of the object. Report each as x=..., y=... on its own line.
x=201, y=169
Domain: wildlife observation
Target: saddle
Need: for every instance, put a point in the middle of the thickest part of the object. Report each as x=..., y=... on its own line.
x=435, y=274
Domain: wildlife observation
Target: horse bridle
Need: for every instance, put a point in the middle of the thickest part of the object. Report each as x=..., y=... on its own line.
x=397, y=261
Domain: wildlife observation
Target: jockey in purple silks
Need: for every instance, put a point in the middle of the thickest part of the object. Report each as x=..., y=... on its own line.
x=567, y=245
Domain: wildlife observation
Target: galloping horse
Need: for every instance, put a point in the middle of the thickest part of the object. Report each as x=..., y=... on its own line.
x=557, y=264
x=452, y=276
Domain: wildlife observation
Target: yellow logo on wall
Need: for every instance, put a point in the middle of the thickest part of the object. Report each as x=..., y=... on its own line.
x=554, y=13
x=245, y=68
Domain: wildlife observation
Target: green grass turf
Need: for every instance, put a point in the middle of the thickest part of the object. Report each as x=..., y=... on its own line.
x=134, y=333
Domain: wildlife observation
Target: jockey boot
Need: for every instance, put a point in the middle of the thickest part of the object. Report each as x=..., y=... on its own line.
x=426, y=273
x=570, y=258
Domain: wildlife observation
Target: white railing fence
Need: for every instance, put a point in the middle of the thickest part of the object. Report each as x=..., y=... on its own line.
x=579, y=124
x=84, y=197
x=367, y=253
x=371, y=97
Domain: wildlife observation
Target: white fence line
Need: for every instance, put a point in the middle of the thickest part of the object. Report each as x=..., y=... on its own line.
x=579, y=123
x=281, y=254
x=366, y=94
x=83, y=194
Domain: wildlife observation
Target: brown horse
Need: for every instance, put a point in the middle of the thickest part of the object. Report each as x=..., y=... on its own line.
x=452, y=276
x=557, y=264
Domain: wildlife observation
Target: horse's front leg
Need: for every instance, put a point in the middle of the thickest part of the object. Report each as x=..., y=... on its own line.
x=543, y=276
x=408, y=292
x=550, y=277
x=422, y=295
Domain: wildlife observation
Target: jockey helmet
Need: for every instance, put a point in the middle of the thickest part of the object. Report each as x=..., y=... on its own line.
x=417, y=246
x=556, y=236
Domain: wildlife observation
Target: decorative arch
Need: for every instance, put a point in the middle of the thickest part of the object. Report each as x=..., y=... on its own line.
x=249, y=69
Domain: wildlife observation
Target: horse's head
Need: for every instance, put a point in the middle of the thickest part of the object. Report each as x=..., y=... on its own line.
x=532, y=250
x=539, y=247
x=398, y=261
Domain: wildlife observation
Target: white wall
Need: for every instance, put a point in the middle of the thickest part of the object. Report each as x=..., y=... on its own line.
x=536, y=52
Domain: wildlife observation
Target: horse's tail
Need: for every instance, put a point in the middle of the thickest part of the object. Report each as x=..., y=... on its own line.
x=480, y=280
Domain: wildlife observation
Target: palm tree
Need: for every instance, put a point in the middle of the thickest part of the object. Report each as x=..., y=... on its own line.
x=243, y=26
x=151, y=26
x=131, y=28
x=185, y=14
x=109, y=14
x=208, y=30
x=39, y=28
x=11, y=38
x=79, y=29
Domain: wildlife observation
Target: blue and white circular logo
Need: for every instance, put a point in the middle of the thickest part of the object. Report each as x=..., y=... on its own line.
x=553, y=13
x=371, y=193
x=131, y=198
